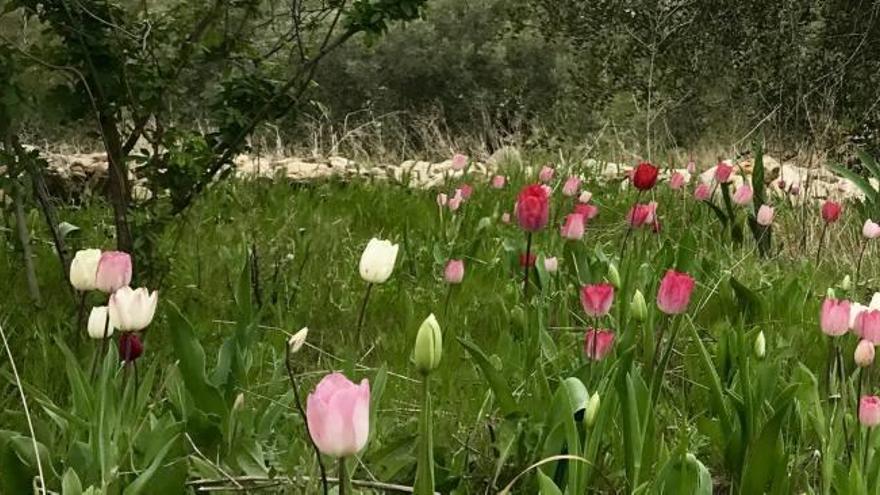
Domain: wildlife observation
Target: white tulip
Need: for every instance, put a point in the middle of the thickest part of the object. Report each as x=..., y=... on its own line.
x=131, y=310
x=377, y=261
x=99, y=323
x=854, y=310
x=297, y=340
x=875, y=301
x=84, y=269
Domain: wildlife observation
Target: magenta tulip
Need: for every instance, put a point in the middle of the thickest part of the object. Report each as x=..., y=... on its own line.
x=587, y=210
x=674, y=293
x=596, y=299
x=834, y=318
x=532, y=208
x=598, y=343
x=723, y=172
x=338, y=415
x=114, y=271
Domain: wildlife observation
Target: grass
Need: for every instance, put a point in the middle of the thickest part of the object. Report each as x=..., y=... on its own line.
x=254, y=261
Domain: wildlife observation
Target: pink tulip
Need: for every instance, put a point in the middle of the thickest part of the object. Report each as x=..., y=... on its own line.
x=547, y=190
x=551, y=265
x=442, y=199
x=702, y=192
x=532, y=208
x=692, y=167
x=674, y=293
x=642, y=214
x=596, y=299
x=765, y=215
x=459, y=161
x=499, y=181
x=868, y=325
x=114, y=271
x=864, y=355
x=834, y=319
x=869, y=410
x=677, y=181
x=871, y=230
x=598, y=343
x=546, y=174
x=454, y=272
x=573, y=228
x=722, y=172
x=585, y=196
x=831, y=211
x=338, y=415
x=465, y=190
x=587, y=210
x=455, y=202
x=743, y=195
x=571, y=186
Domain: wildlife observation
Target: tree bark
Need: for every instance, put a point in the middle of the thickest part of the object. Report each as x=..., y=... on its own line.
x=24, y=237
x=117, y=190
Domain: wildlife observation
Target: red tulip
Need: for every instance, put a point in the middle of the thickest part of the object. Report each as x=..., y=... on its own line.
x=532, y=208
x=527, y=259
x=834, y=318
x=831, y=211
x=645, y=176
x=596, y=299
x=130, y=346
x=573, y=228
x=674, y=293
x=598, y=343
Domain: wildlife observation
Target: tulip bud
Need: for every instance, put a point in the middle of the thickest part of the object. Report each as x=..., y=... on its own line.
x=845, y=284
x=638, y=307
x=429, y=346
x=84, y=269
x=297, y=340
x=99, y=323
x=830, y=294
x=864, y=355
x=760, y=345
x=238, y=405
x=592, y=410
x=613, y=275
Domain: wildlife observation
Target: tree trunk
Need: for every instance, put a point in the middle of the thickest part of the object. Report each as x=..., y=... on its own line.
x=117, y=190
x=24, y=237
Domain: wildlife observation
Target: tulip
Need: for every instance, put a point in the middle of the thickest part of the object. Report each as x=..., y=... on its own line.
x=114, y=271
x=505, y=217
x=459, y=161
x=760, y=347
x=465, y=191
x=722, y=172
x=613, y=275
x=84, y=269
x=692, y=167
x=702, y=192
x=592, y=411
x=571, y=186
x=869, y=410
x=442, y=200
x=588, y=211
x=638, y=308
x=546, y=174
x=132, y=310
x=585, y=197
x=297, y=340
x=455, y=201
x=674, y=293
x=855, y=309
x=596, y=299
x=598, y=343
x=743, y=195
x=644, y=176
x=499, y=181
x=130, y=347
x=864, y=355
x=677, y=181
x=642, y=214
x=871, y=230
x=377, y=261
x=868, y=325
x=454, y=272
x=532, y=208
x=338, y=415
x=795, y=189
x=429, y=346
x=527, y=259
x=845, y=284
x=834, y=318
x=573, y=228
x=831, y=211
x=551, y=265
x=765, y=215
x=99, y=326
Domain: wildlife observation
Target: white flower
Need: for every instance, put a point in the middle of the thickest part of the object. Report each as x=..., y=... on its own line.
x=99, y=323
x=875, y=301
x=854, y=310
x=377, y=261
x=296, y=341
x=131, y=310
x=84, y=269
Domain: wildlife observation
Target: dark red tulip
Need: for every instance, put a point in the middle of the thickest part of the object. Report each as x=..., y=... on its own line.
x=645, y=176
x=831, y=211
x=130, y=346
x=527, y=259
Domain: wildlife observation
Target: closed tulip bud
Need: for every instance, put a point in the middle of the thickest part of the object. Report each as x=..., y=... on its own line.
x=869, y=410
x=743, y=195
x=765, y=216
x=454, y=272
x=238, y=404
x=571, y=186
x=674, y=293
x=546, y=174
x=644, y=176
x=831, y=211
x=377, y=261
x=114, y=271
x=760, y=345
x=84, y=269
x=592, y=412
x=551, y=265
x=585, y=197
x=702, y=192
x=442, y=199
x=429, y=346
x=532, y=208
x=297, y=340
x=846, y=283
x=871, y=230
x=131, y=310
x=596, y=299
x=677, y=181
x=99, y=323
x=573, y=228
x=499, y=181
x=130, y=347
x=638, y=307
x=598, y=343
x=723, y=172
x=613, y=275
x=864, y=355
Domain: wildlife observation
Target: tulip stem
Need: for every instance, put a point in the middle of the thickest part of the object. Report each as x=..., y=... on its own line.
x=527, y=265
x=80, y=313
x=302, y=412
x=859, y=265
x=103, y=348
x=344, y=481
x=446, y=303
x=867, y=447
x=424, y=483
x=821, y=241
x=629, y=228
x=363, y=311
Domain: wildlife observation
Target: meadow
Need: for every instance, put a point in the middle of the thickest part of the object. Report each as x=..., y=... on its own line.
x=587, y=369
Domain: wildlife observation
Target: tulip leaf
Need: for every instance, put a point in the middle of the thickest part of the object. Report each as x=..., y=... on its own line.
x=871, y=194
x=684, y=474
x=546, y=486
x=140, y=483
x=758, y=174
x=496, y=380
x=191, y=362
x=70, y=483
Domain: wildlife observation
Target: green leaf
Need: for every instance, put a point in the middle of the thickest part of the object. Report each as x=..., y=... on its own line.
x=70, y=484
x=758, y=174
x=496, y=380
x=871, y=194
x=716, y=392
x=684, y=474
x=141, y=482
x=546, y=486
